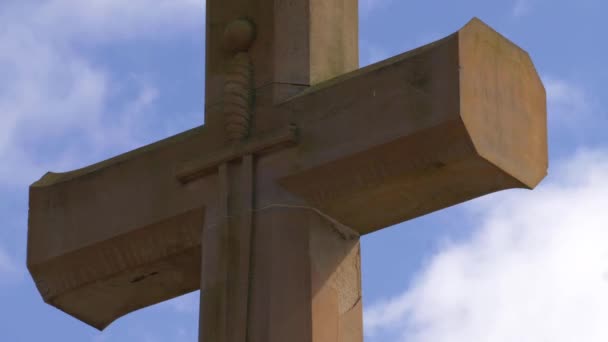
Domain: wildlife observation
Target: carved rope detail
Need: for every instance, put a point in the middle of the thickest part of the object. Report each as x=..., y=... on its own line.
x=238, y=97
x=238, y=84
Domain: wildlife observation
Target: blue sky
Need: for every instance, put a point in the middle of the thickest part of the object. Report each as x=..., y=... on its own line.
x=82, y=81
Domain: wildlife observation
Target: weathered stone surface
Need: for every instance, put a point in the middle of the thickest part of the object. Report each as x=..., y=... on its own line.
x=298, y=43
x=442, y=124
x=439, y=125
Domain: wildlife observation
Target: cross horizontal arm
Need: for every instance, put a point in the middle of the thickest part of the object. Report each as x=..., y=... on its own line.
x=98, y=235
x=431, y=128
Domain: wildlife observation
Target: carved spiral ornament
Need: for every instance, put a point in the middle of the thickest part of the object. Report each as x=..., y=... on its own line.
x=238, y=84
x=238, y=97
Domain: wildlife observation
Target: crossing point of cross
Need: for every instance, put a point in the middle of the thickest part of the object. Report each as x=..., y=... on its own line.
x=262, y=207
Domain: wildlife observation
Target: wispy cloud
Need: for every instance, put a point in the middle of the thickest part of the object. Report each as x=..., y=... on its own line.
x=371, y=53
x=566, y=99
x=522, y=8
x=51, y=89
x=575, y=114
x=103, y=19
x=186, y=304
x=536, y=269
x=367, y=6
x=8, y=267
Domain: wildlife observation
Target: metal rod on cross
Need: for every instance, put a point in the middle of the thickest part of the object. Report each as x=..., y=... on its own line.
x=301, y=154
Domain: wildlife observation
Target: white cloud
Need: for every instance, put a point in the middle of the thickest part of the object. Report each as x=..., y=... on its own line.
x=535, y=270
x=51, y=89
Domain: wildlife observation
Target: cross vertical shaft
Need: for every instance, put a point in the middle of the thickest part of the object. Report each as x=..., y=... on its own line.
x=297, y=44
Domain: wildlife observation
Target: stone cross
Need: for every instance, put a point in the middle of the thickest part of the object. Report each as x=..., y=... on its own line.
x=301, y=154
